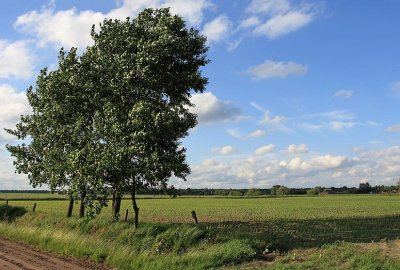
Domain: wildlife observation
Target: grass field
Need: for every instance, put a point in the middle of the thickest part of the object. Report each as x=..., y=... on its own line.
x=234, y=232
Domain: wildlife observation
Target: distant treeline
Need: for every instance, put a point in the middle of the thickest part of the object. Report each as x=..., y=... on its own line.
x=277, y=190
x=25, y=191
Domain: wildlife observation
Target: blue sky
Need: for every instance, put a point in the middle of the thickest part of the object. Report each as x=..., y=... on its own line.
x=301, y=93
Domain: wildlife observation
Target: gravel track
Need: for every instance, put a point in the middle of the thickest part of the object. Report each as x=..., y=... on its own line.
x=18, y=256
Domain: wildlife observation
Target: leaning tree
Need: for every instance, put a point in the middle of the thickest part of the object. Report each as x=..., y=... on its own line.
x=114, y=116
x=142, y=72
x=54, y=130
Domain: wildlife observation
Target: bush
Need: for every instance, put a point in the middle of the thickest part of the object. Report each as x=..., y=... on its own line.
x=253, y=192
x=10, y=213
x=235, y=193
x=314, y=191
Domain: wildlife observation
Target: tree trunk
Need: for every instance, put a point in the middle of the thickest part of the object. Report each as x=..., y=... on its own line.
x=82, y=207
x=70, y=206
x=135, y=209
x=113, y=203
x=116, y=206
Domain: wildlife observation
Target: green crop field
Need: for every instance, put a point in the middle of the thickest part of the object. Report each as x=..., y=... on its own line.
x=233, y=232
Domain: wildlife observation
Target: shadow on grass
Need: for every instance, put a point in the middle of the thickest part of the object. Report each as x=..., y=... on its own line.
x=284, y=235
x=10, y=213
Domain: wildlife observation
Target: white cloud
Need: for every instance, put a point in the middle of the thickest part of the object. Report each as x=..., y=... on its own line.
x=375, y=166
x=269, y=148
x=275, y=123
x=333, y=120
x=268, y=6
x=394, y=128
x=12, y=105
x=267, y=119
x=340, y=125
x=16, y=60
x=257, y=133
x=71, y=28
x=10, y=180
x=218, y=29
x=316, y=163
x=296, y=149
x=210, y=109
x=344, y=93
x=225, y=150
x=66, y=28
x=234, y=133
x=331, y=125
x=332, y=115
x=249, y=22
x=283, y=24
x=271, y=69
x=191, y=10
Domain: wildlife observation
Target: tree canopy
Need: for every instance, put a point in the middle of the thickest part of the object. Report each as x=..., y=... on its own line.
x=113, y=117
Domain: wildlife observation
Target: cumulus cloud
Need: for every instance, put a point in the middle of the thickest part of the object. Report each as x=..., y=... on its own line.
x=250, y=22
x=296, y=149
x=71, y=28
x=331, y=125
x=394, y=128
x=269, y=148
x=274, y=122
x=268, y=6
x=271, y=69
x=16, y=60
x=331, y=115
x=210, y=109
x=332, y=120
x=283, y=24
x=344, y=93
x=12, y=105
x=375, y=166
x=267, y=119
x=279, y=17
x=225, y=150
x=9, y=179
x=340, y=125
x=257, y=133
x=218, y=29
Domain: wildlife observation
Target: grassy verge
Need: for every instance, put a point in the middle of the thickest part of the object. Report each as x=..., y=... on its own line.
x=172, y=246
x=304, y=242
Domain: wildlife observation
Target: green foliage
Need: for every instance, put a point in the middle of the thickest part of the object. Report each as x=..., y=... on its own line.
x=235, y=230
x=339, y=256
x=10, y=213
x=235, y=193
x=279, y=190
x=314, y=191
x=253, y=192
x=114, y=116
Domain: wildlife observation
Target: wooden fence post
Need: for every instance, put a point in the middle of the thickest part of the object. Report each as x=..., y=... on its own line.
x=126, y=215
x=34, y=207
x=194, y=216
x=6, y=202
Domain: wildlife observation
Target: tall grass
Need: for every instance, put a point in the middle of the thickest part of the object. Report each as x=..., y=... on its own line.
x=232, y=232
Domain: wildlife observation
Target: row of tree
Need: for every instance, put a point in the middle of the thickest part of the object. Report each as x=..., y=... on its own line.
x=280, y=190
x=112, y=117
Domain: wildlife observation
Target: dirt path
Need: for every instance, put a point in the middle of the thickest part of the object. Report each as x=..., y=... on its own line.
x=17, y=256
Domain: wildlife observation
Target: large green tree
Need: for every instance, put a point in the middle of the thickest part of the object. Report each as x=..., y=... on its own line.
x=54, y=131
x=114, y=117
x=142, y=71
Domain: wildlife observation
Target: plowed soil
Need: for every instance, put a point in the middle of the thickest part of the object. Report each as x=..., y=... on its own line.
x=16, y=256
